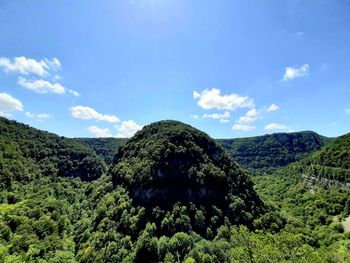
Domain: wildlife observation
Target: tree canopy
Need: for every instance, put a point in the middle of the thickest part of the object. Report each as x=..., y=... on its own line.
x=170, y=194
x=263, y=154
x=174, y=160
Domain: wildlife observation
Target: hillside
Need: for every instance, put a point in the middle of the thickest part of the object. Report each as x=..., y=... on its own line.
x=331, y=162
x=314, y=190
x=172, y=194
x=257, y=154
x=27, y=154
x=175, y=160
x=103, y=147
x=264, y=153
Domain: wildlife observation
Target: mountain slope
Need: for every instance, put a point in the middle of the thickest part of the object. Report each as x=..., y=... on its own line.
x=264, y=153
x=50, y=218
x=314, y=189
x=27, y=154
x=174, y=160
x=257, y=154
x=104, y=147
x=331, y=162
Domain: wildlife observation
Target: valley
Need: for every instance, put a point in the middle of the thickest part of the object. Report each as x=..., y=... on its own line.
x=173, y=194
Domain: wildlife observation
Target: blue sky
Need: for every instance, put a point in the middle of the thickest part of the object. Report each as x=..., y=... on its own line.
x=229, y=68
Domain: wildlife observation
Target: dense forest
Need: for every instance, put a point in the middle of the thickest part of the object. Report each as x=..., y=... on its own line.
x=259, y=155
x=262, y=154
x=332, y=162
x=106, y=148
x=172, y=194
x=27, y=154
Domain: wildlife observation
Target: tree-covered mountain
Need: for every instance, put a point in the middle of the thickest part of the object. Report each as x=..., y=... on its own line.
x=331, y=162
x=316, y=208
x=313, y=191
x=174, y=160
x=260, y=154
x=40, y=188
x=103, y=147
x=126, y=214
x=264, y=153
x=27, y=153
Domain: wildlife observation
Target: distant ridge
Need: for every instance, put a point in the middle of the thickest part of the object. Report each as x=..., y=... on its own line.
x=258, y=154
x=331, y=162
x=28, y=154
x=264, y=153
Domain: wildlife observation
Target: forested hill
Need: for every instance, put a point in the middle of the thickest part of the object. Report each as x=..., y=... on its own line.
x=314, y=190
x=27, y=154
x=104, y=147
x=172, y=159
x=171, y=194
x=257, y=154
x=264, y=153
x=331, y=162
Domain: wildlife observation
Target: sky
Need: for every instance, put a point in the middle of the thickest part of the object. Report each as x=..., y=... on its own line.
x=229, y=68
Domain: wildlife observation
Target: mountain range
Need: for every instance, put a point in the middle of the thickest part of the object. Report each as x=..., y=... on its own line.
x=173, y=194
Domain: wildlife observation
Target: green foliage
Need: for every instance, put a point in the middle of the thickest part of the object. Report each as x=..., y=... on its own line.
x=332, y=162
x=41, y=225
x=28, y=154
x=201, y=182
x=103, y=147
x=48, y=214
x=263, y=154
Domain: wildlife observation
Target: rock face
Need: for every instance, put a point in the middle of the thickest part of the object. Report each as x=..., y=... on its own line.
x=169, y=162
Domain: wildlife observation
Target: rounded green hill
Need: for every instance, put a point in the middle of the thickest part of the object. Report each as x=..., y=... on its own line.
x=169, y=162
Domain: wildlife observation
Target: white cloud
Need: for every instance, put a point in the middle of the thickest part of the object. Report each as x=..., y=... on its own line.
x=25, y=66
x=99, y=132
x=295, y=72
x=224, y=120
x=275, y=126
x=42, y=68
x=41, y=86
x=87, y=113
x=246, y=119
x=251, y=113
x=39, y=116
x=128, y=129
x=53, y=64
x=224, y=115
x=347, y=111
x=9, y=104
x=212, y=99
x=194, y=116
x=75, y=93
x=249, y=117
x=272, y=107
x=242, y=127
x=196, y=95
x=43, y=116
